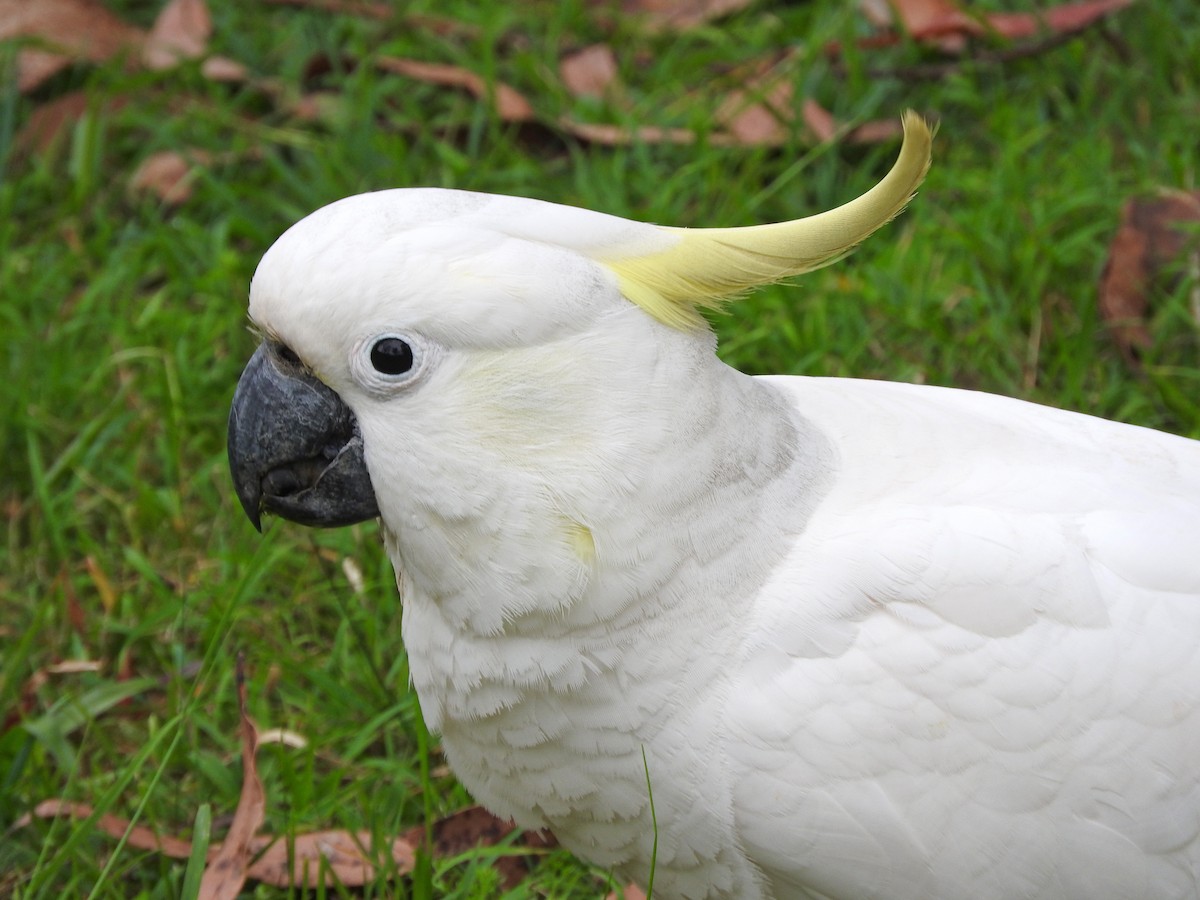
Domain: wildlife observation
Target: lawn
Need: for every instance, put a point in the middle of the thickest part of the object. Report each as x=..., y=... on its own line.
x=132, y=581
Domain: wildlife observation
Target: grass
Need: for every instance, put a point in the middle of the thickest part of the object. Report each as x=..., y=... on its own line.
x=124, y=324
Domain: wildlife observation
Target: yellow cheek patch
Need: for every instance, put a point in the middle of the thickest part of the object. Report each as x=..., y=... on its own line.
x=579, y=537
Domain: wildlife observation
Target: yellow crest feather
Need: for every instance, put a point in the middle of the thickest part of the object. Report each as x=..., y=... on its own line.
x=706, y=266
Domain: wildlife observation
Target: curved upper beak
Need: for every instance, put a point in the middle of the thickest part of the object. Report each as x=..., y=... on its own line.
x=294, y=447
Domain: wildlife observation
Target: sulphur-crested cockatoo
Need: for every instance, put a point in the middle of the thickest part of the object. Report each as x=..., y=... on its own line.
x=863, y=640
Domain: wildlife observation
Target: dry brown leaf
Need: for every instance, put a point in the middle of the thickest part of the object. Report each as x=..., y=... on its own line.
x=819, y=120
x=319, y=106
x=168, y=175
x=948, y=25
x=768, y=120
x=1149, y=245
x=221, y=68
x=618, y=135
x=322, y=857
x=511, y=106
x=164, y=175
x=876, y=131
x=679, y=15
x=759, y=115
x=589, y=72
x=1064, y=19
x=878, y=12
x=180, y=32
x=936, y=21
x=758, y=125
x=227, y=871
x=826, y=128
x=48, y=121
x=74, y=666
x=925, y=18
x=476, y=827
x=71, y=30
x=464, y=830
x=140, y=837
x=282, y=863
x=1123, y=291
x=329, y=857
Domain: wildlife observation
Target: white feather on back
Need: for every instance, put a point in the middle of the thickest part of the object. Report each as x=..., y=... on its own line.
x=977, y=674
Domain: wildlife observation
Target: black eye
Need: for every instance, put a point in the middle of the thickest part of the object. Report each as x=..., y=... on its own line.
x=391, y=356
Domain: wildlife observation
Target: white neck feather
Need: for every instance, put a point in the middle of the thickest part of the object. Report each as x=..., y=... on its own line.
x=631, y=526
x=574, y=530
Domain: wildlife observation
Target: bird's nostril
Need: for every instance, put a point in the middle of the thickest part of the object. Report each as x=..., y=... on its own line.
x=281, y=482
x=293, y=478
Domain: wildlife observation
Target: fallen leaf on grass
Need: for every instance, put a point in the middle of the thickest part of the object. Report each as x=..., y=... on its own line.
x=221, y=68
x=71, y=30
x=476, y=827
x=764, y=114
x=277, y=861
x=948, y=25
x=137, y=836
x=74, y=666
x=679, y=15
x=329, y=857
x=767, y=134
x=510, y=104
x=939, y=21
x=180, y=32
x=875, y=131
x=1065, y=19
x=1152, y=243
x=50, y=120
x=826, y=128
x=226, y=872
x=168, y=175
x=921, y=18
x=589, y=72
x=319, y=106
x=325, y=857
x=760, y=112
x=620, y=136
x=76, y=30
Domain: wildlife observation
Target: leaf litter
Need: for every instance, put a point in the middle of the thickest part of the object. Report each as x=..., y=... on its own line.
x=1156, y=245
x=326, y=857
x=761, y=112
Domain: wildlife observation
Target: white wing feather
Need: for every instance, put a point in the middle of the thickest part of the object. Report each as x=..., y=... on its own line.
x=979, y=660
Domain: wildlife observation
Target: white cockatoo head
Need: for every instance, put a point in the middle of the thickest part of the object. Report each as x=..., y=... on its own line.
x=439, y=357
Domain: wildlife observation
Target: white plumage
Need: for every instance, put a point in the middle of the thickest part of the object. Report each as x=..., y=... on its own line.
x=875, y=640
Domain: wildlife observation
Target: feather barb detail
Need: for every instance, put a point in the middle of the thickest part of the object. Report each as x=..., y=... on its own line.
x=706, y=266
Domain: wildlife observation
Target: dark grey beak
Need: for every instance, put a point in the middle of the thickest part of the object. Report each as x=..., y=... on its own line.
x=294, y=447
